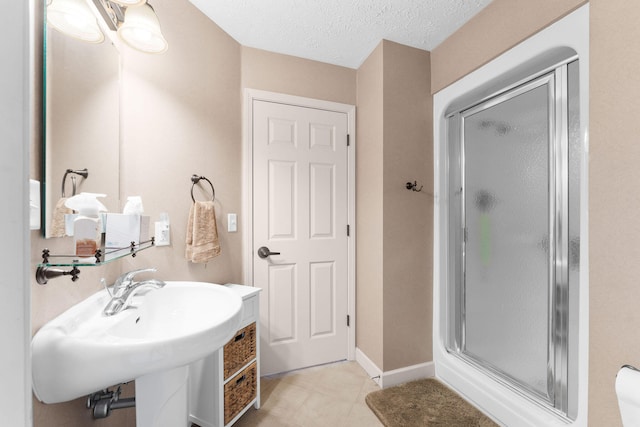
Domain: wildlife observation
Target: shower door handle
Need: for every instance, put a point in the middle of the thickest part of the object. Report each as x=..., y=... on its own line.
x=264, y=252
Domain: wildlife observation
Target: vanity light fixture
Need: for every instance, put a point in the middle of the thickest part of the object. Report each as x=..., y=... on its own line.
x=141, y=29
x=135, y=21
x=112, y=13
x=74, y=18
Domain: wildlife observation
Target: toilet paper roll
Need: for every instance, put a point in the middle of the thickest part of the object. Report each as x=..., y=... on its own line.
x=628, y=391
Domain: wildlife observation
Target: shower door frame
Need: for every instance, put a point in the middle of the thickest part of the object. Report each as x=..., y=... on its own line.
x=555, y=81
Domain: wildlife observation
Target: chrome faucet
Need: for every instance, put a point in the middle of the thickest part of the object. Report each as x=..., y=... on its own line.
x=125, y=288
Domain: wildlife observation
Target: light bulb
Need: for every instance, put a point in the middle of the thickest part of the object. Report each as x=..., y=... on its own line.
x=74, y=18
x=141, y=30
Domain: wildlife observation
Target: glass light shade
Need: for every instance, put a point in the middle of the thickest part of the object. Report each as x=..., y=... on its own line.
x=130, y=2
x=74, y=18
x=141, y=30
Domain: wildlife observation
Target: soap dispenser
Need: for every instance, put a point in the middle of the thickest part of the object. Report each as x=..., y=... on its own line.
x=87, y=227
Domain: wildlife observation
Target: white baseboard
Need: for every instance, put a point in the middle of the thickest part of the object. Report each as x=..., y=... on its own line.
x=396, y=376
x=369, y=367
x=408, y=373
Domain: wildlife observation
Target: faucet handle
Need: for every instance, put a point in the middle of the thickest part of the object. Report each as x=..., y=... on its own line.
x=129, y=275
x=126, y=278
x=104, y=284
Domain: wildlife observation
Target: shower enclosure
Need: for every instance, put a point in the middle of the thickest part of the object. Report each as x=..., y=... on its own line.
x=511, y=236
x=513, y=233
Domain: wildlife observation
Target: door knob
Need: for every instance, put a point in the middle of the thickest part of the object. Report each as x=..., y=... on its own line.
x=264, y=252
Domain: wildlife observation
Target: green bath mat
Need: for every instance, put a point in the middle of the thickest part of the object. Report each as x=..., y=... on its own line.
x=424, y=403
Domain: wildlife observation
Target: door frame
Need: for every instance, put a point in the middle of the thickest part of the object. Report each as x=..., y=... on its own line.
x=251, y=95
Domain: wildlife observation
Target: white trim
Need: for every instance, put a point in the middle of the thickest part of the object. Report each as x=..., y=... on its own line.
x=499, y=402
x=396, y=376
x=408, y=373
x=17, y=130
x=251, y=95
x=369, y=367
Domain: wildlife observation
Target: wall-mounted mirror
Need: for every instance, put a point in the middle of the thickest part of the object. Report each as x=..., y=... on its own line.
x=81, y=119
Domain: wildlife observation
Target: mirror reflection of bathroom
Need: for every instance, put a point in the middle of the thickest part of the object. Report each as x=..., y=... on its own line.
x=81, y=122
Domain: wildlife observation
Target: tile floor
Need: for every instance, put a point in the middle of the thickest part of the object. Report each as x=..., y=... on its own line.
x=330, y=395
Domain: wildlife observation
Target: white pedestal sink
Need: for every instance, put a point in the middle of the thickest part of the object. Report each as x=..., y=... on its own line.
x=82, y=351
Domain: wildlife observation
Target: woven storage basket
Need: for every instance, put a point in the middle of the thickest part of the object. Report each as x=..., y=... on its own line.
x=239, y=392
x=240, y=350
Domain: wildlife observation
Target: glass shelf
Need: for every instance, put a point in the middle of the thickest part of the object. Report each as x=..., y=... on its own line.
x=103, y=256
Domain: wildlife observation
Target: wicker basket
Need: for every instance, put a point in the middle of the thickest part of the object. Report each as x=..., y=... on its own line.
x=239, y=392
x=240, y=350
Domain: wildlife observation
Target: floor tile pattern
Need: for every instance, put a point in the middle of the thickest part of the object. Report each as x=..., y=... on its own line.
x=330, y=395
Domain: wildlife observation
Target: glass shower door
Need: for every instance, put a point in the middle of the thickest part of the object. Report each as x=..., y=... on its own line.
x=507, y=174
x=513, y=239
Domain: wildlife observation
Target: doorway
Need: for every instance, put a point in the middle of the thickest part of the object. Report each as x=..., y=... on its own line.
x=300, y=228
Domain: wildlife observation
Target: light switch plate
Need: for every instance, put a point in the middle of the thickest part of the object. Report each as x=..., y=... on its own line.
x=232, y=223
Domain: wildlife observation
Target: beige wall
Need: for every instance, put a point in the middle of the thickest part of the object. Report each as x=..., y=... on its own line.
x=394, y=224
x=274, y=72
x=499, y=26
x=614, y=181
x=369, y=207
x=181, y=115
x=408, y=215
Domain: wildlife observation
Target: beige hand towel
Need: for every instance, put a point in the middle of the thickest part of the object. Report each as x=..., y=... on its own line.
x=202, y=233
x=57, y=219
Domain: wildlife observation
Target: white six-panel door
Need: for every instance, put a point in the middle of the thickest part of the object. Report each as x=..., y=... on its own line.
x=300, y=210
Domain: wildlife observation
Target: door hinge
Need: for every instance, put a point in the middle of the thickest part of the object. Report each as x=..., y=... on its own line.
x=348, y=320
x=348, y=140
x=348, y=230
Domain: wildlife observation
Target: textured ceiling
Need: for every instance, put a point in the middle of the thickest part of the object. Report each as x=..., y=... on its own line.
x=341, y=32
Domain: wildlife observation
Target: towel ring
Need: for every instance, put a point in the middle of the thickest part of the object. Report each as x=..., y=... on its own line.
x=195, y=179
x=82, y=172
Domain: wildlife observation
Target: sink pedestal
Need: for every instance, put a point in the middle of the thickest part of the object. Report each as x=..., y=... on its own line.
x=162, y=399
